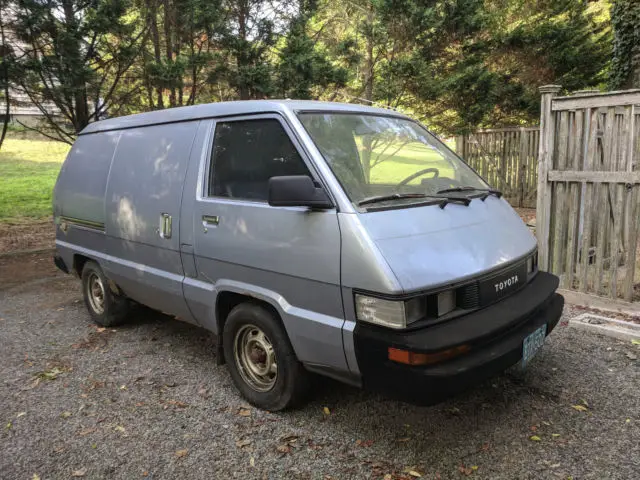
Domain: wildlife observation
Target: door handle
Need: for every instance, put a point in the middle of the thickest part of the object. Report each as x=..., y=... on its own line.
x=164, y=230
x=210, y=221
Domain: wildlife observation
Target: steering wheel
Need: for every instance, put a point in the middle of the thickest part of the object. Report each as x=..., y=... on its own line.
x=435, y=171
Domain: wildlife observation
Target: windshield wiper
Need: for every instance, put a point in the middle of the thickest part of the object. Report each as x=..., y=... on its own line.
x=487, y=191
x=393, y=196
x=442, y=200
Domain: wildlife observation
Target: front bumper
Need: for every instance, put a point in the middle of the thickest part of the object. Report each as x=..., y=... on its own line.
x=494, y=334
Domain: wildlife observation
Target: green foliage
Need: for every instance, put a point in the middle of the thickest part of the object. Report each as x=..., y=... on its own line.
x=479, y=63
x=456, y=64
x=625, y=65
x=75, y=53
x=302, y=66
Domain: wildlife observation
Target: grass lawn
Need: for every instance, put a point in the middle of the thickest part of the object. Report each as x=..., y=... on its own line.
x=28, y=172
x=396, y=161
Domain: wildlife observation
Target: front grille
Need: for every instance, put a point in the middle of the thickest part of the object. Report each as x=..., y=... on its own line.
x=468, y=296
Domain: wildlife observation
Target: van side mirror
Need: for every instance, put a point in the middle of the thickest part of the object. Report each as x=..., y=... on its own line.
x=297, y=191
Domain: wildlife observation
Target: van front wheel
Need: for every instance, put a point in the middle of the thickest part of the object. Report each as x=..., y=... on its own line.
x=105, y=307
x=260, y=358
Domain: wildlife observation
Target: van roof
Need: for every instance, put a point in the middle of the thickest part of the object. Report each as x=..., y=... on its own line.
x=224, y=109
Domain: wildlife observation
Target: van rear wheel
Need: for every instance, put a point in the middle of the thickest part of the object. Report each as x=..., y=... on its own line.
x=105, y=307
x=261, y=360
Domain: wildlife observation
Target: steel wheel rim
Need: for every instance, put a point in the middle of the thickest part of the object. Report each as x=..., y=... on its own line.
x=255, y=358
x=95, y=293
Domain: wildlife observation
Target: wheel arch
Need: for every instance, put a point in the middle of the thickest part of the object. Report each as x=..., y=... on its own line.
x=231, y=294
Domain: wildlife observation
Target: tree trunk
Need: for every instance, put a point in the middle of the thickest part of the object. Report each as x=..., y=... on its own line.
x=77, y=80
x=369, y=66
x=241, y=55
x=5, y=79
x=168, y=24
x=155, y=39
x=368, y=89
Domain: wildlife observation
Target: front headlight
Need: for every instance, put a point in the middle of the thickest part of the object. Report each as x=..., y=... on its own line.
x=390, y=313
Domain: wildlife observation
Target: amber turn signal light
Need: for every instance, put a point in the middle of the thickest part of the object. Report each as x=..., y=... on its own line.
x=412, y=358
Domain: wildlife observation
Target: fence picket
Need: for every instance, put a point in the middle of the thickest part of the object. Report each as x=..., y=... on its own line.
x=573, y=216
x=559, y=222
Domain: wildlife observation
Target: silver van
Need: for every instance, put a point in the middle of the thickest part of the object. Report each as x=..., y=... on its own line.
x=330, y=238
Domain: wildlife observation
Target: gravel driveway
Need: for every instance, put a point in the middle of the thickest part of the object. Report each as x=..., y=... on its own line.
x=147, y=400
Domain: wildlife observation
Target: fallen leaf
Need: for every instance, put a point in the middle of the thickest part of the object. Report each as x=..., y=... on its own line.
x=326, y=411
x=555, y=434
x=100, y=329
x=9, y=425
x=35, y=477
x=21, y=414
x=242, y=443
x=474, y=468
x=79, y=473
x=364, y=443
x=182, y=453
x=123, y=387
x=289, y=439
x=66, y=414
x=51, y=374
x=252, y=462
x=535, y=438
x=119, y=428
x=94, y=446
x=145, y=474
x=244, y=412
x=413, y=473
x=283, y=448
x=464, y=470
x=580, y=408
x=635, y=341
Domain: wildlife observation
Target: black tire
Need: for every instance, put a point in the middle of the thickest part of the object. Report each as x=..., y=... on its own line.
x=291, y=381
x=115, y=307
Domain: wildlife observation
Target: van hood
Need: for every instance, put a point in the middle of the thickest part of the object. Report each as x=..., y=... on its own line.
x=429, y=246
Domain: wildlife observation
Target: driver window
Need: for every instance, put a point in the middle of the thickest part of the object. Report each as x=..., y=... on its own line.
x=246, y=154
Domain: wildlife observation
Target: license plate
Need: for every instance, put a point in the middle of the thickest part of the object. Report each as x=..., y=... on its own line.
x=532, y=344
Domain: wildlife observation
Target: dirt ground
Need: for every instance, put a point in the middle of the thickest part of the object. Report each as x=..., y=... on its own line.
x=146, y=400
x=26, y=236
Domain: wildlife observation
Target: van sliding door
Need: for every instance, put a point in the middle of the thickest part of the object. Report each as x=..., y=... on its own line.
x=143, y=198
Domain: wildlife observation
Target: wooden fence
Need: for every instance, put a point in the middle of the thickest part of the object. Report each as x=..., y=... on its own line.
x=507, y=158
x=589, y=191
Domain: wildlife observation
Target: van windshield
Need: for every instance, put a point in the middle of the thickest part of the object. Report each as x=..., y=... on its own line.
x=387, y=158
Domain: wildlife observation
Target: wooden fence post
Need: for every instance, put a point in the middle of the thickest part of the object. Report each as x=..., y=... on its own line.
x=460, y=145
x=545, y=159
x=522, y=165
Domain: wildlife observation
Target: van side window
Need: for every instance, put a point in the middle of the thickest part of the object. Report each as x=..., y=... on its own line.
x=246, y=154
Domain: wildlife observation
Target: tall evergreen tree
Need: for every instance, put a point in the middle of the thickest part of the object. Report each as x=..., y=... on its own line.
x=302, y=66
x=75, y=54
